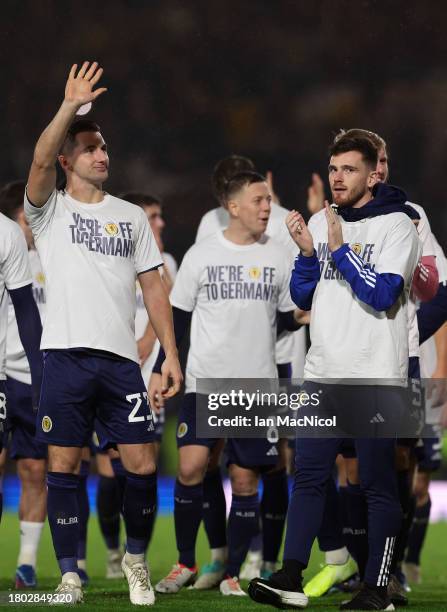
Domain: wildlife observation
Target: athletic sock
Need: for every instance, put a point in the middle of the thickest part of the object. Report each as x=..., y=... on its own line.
x=418, y=533
x=243, y=524
x=108, y=506
x=274, y=502
x=407, y=502
x=63, y=517
x=120, y=475
x=330, y=535
x=358, y=523
x=30, y=534
x=346, y=529
x=188, y=509
x=140, y=500
x=84, y=511
x=1, y=505
x=214, y=509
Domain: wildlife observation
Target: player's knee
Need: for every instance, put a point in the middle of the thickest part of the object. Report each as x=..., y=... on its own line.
x=191, y=474
x=421, y=488
x=143, y=468
x=32, y=472
x=402, y=458
x=243, y=483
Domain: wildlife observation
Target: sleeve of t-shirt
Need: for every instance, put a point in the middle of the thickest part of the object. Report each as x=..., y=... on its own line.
x=285, y=303
x=15, y=267
x=401, y=250
x=40, y=217
x=186, y=284
x=425, y=234
x=147, y=255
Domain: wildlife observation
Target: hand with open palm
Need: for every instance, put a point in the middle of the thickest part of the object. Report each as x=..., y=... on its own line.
x=79, y=87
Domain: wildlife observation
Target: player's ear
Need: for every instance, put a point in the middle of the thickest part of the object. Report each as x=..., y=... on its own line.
x=233, y=208
x=63, y=161
x=372, y=179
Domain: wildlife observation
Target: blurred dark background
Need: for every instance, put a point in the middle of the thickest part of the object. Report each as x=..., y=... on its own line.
x=190, y=82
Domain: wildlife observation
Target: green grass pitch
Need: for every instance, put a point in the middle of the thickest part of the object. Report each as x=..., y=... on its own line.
x=112, y=594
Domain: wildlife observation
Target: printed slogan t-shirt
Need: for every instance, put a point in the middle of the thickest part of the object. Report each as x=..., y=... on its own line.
x=349, y=339
x=234, y=292
x=91, y=255
x=17, y=365
x=14, y=273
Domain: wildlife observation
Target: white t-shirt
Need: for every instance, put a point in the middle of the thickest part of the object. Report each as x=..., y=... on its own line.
x=141, y=318
x=14, y=273
x=91, y=255
x=234, y=292
x=349, y=339
x=428, y=249
x=17, y=365
x=441, y=260
x=218, y=219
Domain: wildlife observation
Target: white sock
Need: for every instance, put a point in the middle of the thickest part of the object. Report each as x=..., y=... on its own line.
x=114, y=552
x=29, y=542
x=219, y=554
x=131, y=559
x=82, y=564
x=337, y=557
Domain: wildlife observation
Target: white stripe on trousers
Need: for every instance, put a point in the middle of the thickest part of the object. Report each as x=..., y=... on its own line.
x=386, y=562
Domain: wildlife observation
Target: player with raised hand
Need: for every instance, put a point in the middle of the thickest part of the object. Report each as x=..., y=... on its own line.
x=230, y=315
x=350, y=293
x=91, y=366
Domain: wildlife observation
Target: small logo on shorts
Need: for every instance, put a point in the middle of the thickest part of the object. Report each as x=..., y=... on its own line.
x=182, y=430
x=95, y=439
x=111, y=229
x=47, y=424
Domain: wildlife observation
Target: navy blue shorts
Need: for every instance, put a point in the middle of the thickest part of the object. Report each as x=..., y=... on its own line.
x=79, y=387
x=22, y=422
x=249, y=453
x=428, y=450
x=4, y=422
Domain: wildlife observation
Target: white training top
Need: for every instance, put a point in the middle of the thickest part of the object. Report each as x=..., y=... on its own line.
x=14, y=273
x=349, y=339
x=428, y=249
x=91, y=255
x=17, y=365
x=441, y=261
x=234, y=292
x=141, y=318
x=218, y=219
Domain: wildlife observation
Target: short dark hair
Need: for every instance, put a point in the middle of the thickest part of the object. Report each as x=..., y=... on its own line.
x=11, y=199
x=225, y=169
x=234, y=184
x=78, y=126
x=140, y=199
x=377, y=140
x=363, y=145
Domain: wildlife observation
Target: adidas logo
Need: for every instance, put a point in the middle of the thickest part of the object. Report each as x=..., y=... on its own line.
x=273, y=452
x=378, y=418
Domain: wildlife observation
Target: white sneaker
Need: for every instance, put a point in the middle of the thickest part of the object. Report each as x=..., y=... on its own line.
x=210, y=576
x=231, y=586
x=69, y=590
x=178, y=577
x=252, y=567
x=113, y=569
x=141, y=592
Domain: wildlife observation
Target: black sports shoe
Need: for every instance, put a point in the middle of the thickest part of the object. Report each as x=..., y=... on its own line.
x=396, y=592
x=278, y=591
x=368, y=598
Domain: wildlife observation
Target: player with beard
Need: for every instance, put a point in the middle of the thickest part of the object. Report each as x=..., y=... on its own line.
x=424, y=287
x=352, y=337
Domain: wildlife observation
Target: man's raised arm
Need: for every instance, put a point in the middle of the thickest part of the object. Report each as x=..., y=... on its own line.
x=78, y=91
